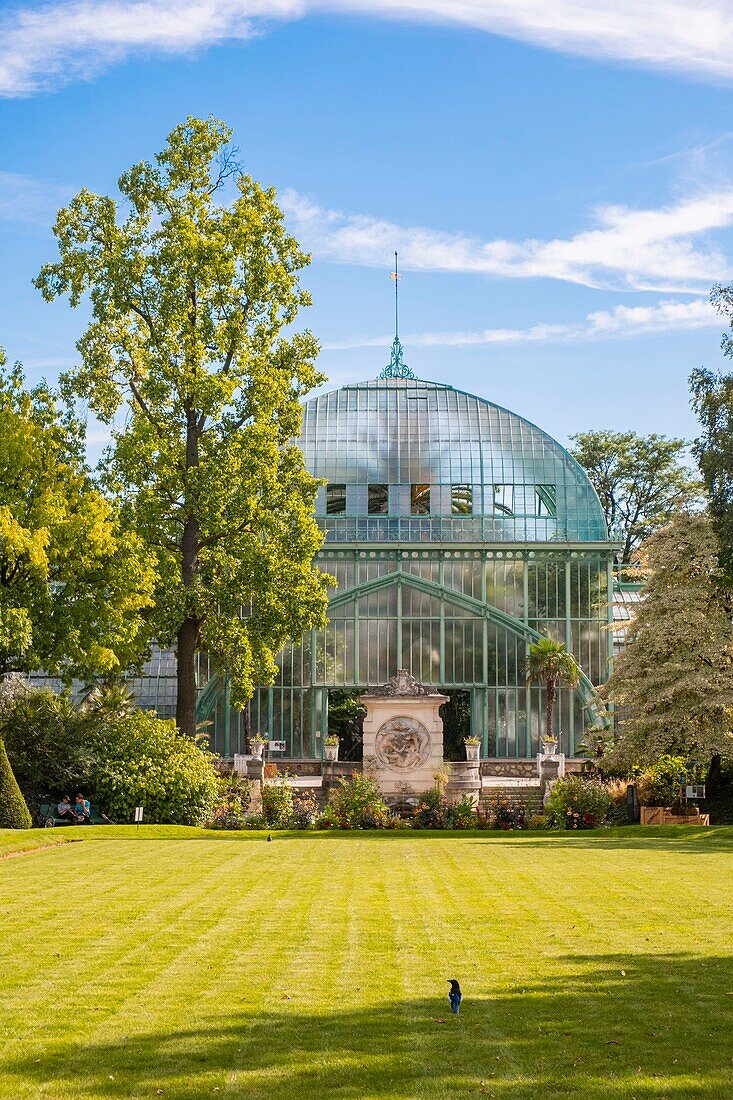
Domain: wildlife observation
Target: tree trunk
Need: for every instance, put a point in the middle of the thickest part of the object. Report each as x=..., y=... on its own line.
x=551, y=695
x=188, y=637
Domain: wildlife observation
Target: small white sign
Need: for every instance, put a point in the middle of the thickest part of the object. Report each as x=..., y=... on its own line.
x=695, y=790
x=138, y=814
x=276, y=746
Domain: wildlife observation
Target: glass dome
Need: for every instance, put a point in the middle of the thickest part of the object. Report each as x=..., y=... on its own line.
x=413, y=461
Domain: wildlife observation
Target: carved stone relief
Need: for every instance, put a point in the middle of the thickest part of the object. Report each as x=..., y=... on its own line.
x=402, y=743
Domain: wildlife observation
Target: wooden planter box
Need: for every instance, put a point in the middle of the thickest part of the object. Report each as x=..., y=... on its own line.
x=662, y=815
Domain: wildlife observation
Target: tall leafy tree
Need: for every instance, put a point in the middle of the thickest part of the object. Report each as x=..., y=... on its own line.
x=640, y=481
x=674, y=678
x=549, y=663
x=712, y=400
x=74, y=585
x=190, y=298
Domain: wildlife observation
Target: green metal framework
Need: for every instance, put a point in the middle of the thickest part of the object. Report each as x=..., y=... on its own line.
x=487, y=536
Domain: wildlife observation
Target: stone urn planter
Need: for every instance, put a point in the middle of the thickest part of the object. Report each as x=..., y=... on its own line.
x=473, y=749
x=256, y=746
x=331, y=749
x=549, y=746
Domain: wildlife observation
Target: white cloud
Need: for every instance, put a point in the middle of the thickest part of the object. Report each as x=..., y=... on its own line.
x=30, y=201
x=629, y=249
x=619, y=323
x=43, y=46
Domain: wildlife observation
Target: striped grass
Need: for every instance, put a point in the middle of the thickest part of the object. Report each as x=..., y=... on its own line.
x=185, y=964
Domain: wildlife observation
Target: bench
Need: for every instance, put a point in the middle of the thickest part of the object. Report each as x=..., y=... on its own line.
x=50, y=817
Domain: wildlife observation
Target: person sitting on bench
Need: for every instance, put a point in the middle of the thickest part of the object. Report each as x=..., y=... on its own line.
x=83, y=810
x=65, y=809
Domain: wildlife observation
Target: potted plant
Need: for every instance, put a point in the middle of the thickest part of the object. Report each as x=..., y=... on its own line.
x=549, y=745
x=473, y=747
x=257, y=743
x=331, y=747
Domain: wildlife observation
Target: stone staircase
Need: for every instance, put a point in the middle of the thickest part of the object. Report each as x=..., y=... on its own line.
x=519, y=792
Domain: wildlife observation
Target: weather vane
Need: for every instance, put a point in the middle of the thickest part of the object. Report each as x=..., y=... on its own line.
x=396, y=368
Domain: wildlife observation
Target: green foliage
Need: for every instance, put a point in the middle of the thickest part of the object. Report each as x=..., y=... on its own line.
x=277, y=802
x=13, y=810
x=505, y=813
x=674, y=678
x=357, y=803
x=145, y=761
x=431, y=811
x=640, y=481
x=233, y=798
x=193, y=307
x=712, y=401
x=578, y=803
x=73, y=583
x=659, y=784
x=549, y=663
x=118, y=762
x=48, y=741
x=462, y=814
x=305, y=810
x=346, y=720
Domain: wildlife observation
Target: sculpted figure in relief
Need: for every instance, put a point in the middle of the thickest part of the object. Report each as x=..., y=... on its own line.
x=402, y=743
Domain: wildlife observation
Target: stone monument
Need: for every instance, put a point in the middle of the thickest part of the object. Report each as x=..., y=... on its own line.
x=403, y=735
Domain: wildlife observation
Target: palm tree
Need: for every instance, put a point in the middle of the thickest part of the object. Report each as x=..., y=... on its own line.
x=549, y=663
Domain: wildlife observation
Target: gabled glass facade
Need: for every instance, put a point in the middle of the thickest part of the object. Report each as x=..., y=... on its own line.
x=458, y=533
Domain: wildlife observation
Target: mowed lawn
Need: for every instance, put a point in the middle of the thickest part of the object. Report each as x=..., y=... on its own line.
x=182, y=964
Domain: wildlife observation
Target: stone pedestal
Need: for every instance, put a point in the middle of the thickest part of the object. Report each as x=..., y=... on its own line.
x=403, y=736
x=465, y=778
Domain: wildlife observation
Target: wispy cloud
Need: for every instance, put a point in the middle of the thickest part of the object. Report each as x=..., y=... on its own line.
x=30, y=201
x=619, y=323
x=626, y=250
x=44, y=46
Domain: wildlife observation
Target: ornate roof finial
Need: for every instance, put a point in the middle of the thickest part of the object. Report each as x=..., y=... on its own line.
x=396, y=368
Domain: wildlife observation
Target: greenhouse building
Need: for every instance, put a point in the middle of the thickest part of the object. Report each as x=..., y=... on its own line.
x=458, y=533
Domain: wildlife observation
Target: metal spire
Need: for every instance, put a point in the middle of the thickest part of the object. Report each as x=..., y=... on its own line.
x=396, y=368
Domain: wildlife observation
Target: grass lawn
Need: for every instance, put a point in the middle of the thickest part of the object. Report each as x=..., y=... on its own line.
x=184, y=964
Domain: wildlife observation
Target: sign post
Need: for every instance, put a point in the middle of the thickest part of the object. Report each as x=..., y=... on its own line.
x=138, y=815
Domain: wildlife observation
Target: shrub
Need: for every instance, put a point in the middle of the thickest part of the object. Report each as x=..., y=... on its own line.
x=277, y=802
x=13, y=810
x=47, y=740
x=659, y=784
x=431, y=811
x=234, y=795
x=578, y=803
x=357, y=803
x=145, y=761
x=305, y=811
x=462, y=814
x=505, y=814
x=538, y=821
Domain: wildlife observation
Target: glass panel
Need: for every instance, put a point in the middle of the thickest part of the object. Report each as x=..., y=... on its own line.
x=420, y=500
x=461, y=500
x=504, y=499
x=335, y=500
x=377, y=500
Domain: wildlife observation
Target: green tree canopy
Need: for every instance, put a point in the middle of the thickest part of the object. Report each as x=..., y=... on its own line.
x=190, y=299
x=73, y=585
x=674, y=679
x=640, y=481
x=712, y=400
x=550, y=664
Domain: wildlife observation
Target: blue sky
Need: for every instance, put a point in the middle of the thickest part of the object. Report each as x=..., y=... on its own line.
x=557, y=182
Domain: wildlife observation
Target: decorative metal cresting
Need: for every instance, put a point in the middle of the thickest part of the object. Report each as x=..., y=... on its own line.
x=396, y=368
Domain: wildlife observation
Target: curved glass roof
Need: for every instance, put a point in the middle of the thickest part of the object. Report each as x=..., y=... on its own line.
x=407, y=460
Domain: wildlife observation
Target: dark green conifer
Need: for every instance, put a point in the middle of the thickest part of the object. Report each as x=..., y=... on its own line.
x=13, y=810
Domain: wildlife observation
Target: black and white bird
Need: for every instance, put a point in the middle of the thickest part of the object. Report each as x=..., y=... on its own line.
x=455, y=996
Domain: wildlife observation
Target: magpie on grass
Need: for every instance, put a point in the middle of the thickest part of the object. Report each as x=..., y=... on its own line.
x=455, y=996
